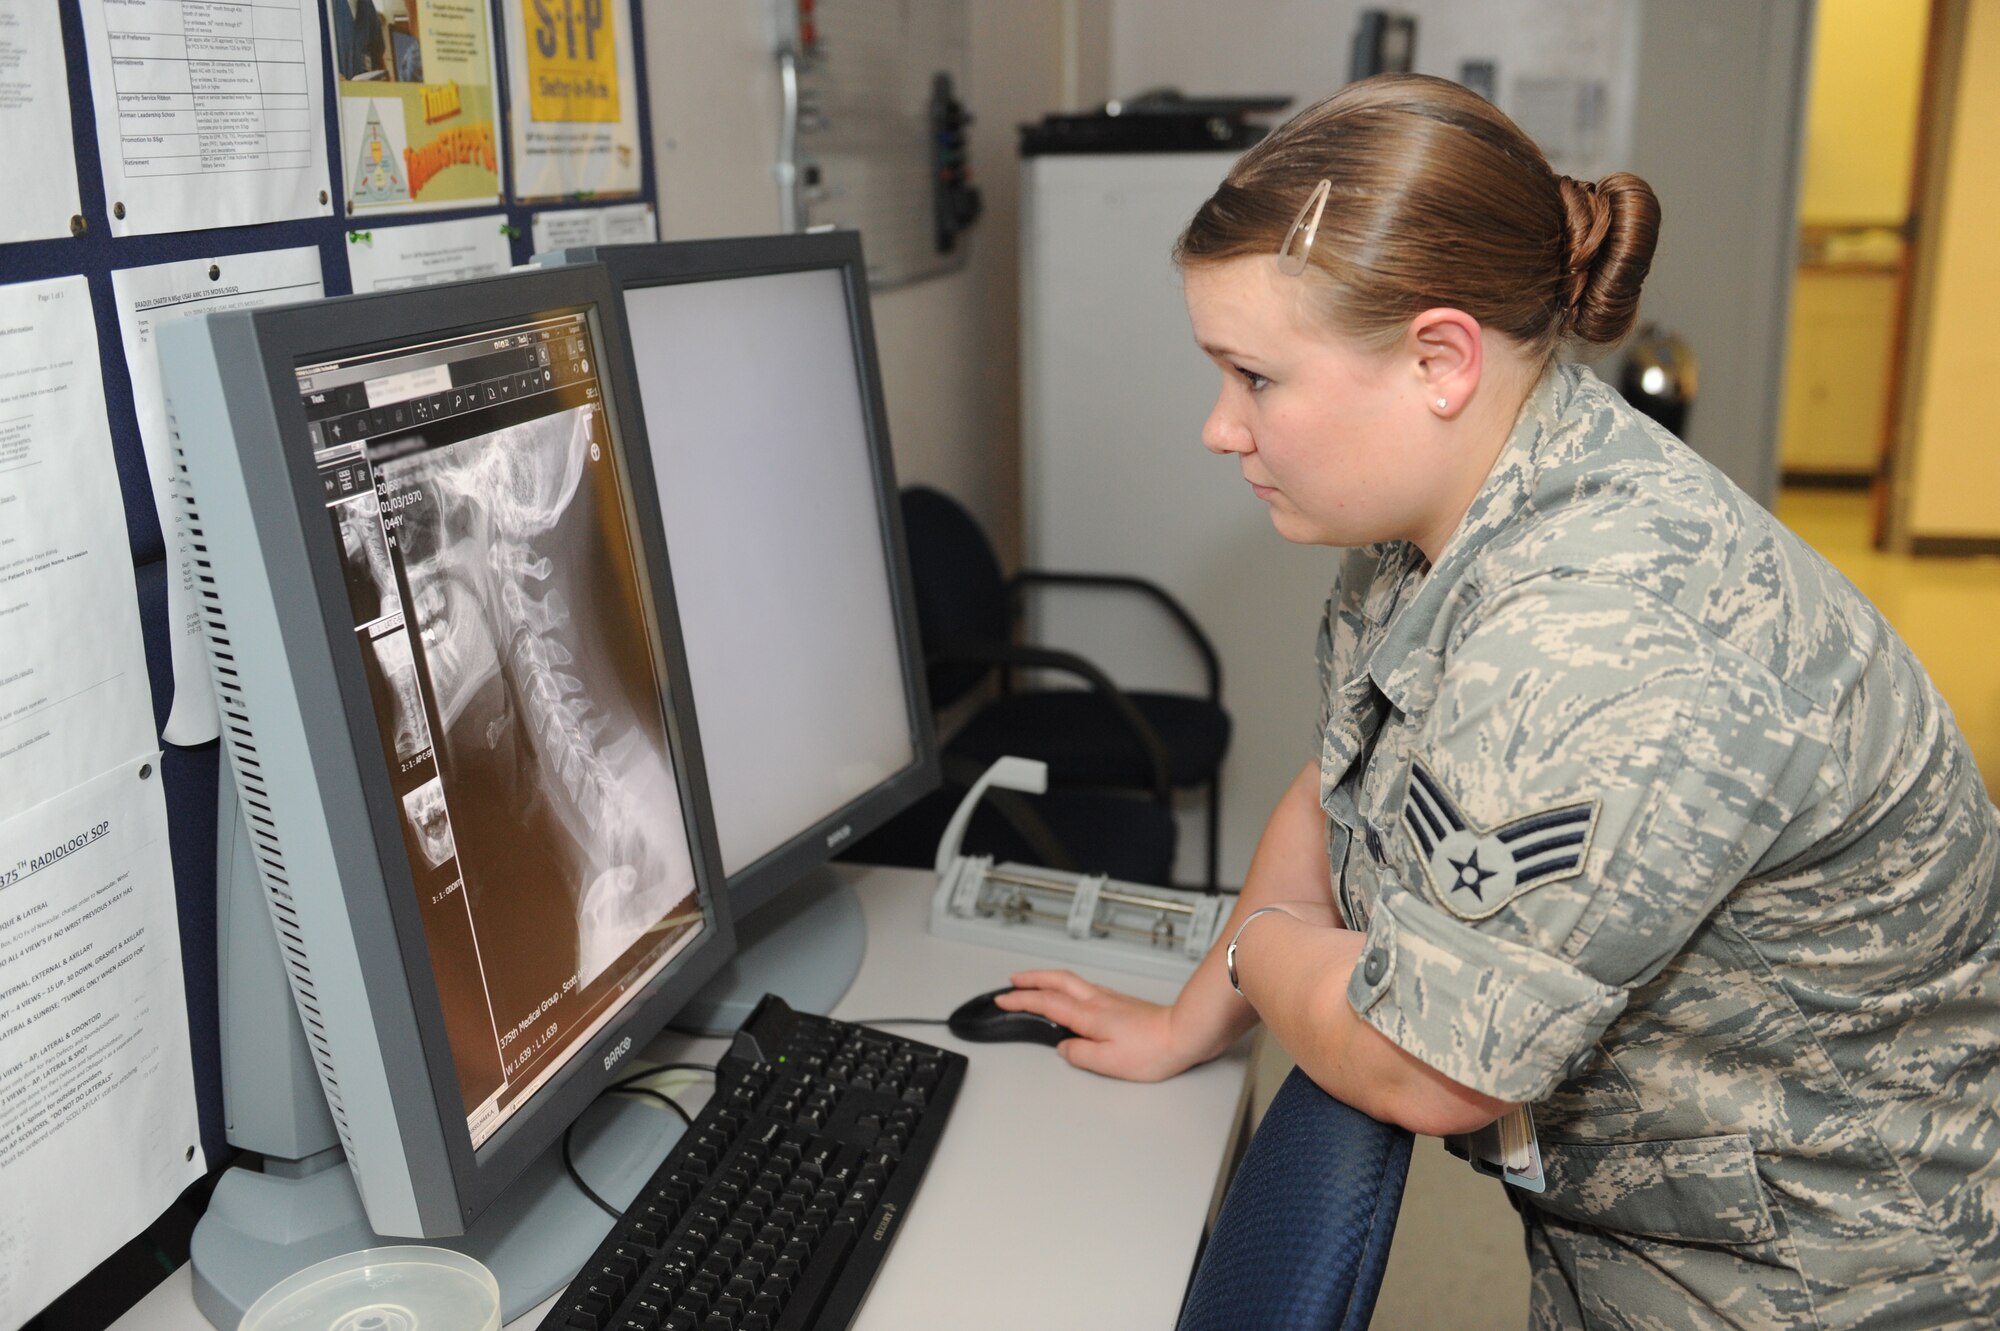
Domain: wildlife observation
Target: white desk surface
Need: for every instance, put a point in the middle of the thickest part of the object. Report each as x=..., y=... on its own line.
x=1057, y=1199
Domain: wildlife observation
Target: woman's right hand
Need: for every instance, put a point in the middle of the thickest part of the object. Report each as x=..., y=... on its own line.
x=1117, y=1035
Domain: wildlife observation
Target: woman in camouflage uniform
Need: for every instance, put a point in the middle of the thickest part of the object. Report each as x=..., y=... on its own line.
x=1626, y=807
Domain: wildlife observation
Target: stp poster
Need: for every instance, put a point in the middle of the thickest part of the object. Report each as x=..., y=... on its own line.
x=572, y=98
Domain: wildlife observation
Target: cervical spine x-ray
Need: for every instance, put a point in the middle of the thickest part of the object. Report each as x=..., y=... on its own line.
x=522, y=626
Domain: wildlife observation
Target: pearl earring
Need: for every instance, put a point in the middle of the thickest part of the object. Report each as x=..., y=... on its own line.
x=1442, y=404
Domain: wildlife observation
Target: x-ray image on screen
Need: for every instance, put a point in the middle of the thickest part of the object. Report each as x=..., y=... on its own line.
x=532, y=639
x=403, y=706
x=364, y=554
x=430, y=828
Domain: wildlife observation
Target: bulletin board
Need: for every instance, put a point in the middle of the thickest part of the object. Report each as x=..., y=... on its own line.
x=107, y=237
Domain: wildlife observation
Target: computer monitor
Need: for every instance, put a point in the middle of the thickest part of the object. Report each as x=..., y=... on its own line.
x=449, y=668
x=755, y=362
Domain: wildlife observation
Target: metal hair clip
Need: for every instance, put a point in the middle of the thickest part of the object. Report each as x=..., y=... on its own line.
x=1305, y=228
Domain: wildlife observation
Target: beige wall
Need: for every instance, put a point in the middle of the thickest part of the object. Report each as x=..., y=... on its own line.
x=949, y=345
x=1861, y=110
x=1954, y=469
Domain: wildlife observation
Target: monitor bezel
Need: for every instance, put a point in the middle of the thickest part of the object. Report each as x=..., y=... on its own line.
x=767, y=878
x=291, y=336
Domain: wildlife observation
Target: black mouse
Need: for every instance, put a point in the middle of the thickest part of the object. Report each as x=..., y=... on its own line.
x=983, y=1021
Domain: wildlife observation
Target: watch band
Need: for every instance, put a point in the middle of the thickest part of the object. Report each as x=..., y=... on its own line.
x=1229, y=956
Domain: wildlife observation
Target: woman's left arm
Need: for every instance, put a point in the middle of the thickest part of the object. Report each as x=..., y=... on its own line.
x=1296, y=974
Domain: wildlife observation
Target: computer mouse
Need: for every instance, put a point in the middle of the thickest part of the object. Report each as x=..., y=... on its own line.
x=984, y=1021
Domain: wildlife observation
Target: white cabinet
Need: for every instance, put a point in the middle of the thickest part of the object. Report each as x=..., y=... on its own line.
x=1114, y=477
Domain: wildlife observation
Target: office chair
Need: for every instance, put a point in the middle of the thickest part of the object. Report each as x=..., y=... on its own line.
x=1099, y=737
x=1303, y=1235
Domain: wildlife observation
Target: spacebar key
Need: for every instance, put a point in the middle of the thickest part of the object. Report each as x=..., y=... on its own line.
x=818, y=1278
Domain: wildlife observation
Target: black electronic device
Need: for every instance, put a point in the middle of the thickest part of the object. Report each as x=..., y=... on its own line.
x=464, y=780
x=955, y=201
x=1160, y=120
x=776, y=1209
x=985, y=1022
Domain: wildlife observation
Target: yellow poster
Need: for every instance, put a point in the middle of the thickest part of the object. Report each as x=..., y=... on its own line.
x=419, y=109
x=573, y=98
x=572, y=61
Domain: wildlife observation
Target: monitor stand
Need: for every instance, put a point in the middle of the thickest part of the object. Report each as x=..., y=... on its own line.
x=302, y=1206
x=260, y=1227
x=806, y=946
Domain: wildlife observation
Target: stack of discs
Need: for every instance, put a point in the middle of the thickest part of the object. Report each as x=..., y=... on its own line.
x=382, y=1289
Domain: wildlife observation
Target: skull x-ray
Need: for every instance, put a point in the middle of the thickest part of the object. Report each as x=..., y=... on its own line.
x=525, y=601
x=429, y=828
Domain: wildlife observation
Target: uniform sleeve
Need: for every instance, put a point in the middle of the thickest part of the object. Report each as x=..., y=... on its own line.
x=1595, y=775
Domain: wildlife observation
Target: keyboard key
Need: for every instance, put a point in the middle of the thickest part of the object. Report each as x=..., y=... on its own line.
x=815, y=1284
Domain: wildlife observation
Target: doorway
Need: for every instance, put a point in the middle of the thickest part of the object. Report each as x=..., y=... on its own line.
x=1850, y=289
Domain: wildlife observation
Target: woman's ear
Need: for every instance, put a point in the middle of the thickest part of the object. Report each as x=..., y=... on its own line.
x=1444, y=349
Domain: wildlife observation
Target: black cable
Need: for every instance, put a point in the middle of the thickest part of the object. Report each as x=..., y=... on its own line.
x=657, y=1069
x=569, y=1163
x=626, y=1087
x=661, y=1096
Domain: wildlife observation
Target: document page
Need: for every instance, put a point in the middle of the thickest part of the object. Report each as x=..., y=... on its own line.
x=98, y=1129
x=148, y=297
x=34, y=108
x=413, y=256
x=623, y=224
x=208, y=112
x=74, y=695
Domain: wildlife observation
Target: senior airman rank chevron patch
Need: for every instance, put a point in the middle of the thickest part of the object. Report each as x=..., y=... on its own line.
x=1474, y=870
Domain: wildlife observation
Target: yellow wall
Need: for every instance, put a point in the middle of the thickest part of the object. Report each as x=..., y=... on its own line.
x=1955, y=465
x=1861, y=112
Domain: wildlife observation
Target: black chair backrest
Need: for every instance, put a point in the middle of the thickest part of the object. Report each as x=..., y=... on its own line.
x=960, y=590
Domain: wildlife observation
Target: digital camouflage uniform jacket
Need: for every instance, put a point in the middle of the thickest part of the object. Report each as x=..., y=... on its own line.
x=1652, y=821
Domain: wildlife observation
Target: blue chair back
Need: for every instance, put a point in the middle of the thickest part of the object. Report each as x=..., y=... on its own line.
x=1303, y=1235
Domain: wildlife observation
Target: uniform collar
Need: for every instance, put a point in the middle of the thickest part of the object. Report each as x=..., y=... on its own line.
x=1410, y=652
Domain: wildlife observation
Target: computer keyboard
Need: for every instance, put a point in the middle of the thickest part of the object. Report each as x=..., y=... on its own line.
x=775, y=1210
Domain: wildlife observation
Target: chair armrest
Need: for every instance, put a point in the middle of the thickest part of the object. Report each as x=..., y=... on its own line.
x=1211, y=661
x=1017, y=656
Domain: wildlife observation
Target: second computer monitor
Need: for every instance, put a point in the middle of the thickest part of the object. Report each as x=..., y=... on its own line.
x=756, y=369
